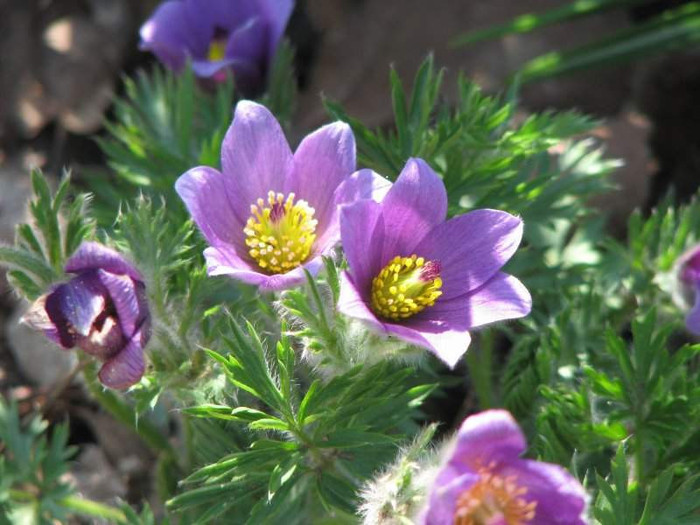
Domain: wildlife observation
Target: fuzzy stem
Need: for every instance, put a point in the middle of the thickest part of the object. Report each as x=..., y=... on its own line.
x=480, y=363
x=126, y=415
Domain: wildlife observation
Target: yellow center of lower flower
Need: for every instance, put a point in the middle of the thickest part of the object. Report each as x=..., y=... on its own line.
x=405, y=286
x=494, y=499
x=280, y=235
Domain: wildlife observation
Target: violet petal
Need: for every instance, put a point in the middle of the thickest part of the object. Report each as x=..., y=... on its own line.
x=351, y=303
x=203, y=190
x=414, y=205
x=448, y=345
x=93, y=256
x=74, y=306
x=501, y=297
x=447, y=487
x=277, y=12
x=486, y=436
x=363, y=184
x=126, y=368
x=224, y=262
x=692, y=319
x=362, y=230
x=561, y=500
x=323, y=160
x=255, y=157
x=471, y=248
x=124, y=293
x=167, y=34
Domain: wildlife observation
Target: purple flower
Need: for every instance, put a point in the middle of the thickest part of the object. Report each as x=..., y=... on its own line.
x=217, y=36
x=484, y=482
x=270, y=214
x=689, y=276
x=428, y=281
x=102, y=310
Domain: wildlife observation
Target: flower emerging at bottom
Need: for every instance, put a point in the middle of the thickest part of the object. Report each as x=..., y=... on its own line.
x=494, y=499
x=484, y=481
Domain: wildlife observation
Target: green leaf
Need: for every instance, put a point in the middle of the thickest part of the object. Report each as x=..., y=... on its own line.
x=532, y=21
x=675, y=29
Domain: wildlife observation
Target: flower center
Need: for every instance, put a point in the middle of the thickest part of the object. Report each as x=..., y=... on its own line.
x=406, y=286
x=281, y=234
x=494, y=500
x=217, y=46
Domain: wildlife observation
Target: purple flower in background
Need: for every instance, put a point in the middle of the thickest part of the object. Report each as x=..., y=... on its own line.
x=484, y=481
x=689, y=276
x=102, y=310
x=217, y=36
x=270, y=214
x=428, y=281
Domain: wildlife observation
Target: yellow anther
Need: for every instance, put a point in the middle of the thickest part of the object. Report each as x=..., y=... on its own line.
x=494, y=498
x=282, y=226
x=405, y=286
x=217, y=50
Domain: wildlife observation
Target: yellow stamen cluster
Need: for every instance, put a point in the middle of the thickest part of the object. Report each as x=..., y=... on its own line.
x=405, y=286
x=494, y=497
x=217, y=49
x=280, y=235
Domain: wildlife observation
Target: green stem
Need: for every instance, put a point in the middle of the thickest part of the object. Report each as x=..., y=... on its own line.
x=126, y=415
x=480, y=364
x=75, y=504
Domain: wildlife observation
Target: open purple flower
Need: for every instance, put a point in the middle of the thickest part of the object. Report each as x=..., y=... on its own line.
x=428, y=281
x=270, y=214
x=217, y=36
x=688, y=266
x=102, y=310
x=485, y=482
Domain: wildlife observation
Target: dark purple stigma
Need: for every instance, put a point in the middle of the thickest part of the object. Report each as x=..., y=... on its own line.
x=430, y=271
x=277, y=212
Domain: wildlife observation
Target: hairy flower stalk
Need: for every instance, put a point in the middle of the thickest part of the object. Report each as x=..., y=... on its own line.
x=270, y=214
x=102, y=310
x=483, y=481
x=218, y=36
x=424, y=280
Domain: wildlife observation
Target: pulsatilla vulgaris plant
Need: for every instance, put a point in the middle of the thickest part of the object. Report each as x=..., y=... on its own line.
x=261, y=313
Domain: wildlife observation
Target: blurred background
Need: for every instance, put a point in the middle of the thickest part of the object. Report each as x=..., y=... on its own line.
x=633, y=64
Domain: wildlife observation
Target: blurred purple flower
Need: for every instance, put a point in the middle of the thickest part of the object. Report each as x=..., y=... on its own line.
x=102, y=310
x=484, y=481
x=217, y=36
x=689, y=275
x=428, y=281
x=271, y=214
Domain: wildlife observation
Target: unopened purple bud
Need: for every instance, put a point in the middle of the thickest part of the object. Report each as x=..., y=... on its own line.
x=102, y=310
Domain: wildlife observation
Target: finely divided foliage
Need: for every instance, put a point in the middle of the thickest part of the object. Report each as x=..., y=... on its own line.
x=307, y=398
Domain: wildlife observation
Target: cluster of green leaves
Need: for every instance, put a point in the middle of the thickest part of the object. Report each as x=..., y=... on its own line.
x=32, y=467
x=58, y=224
x=674, y=28
x=308, y=446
